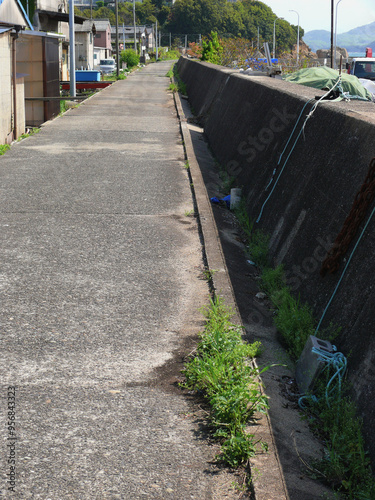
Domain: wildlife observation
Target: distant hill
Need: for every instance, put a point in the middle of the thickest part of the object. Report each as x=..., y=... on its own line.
x=355, y=40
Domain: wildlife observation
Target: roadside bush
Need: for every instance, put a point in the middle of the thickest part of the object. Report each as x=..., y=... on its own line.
x=130, y=57
x=212, y=49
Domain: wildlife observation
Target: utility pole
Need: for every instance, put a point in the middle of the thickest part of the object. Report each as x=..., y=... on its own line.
x=332, y=15
x=117, y=51
x=156, y=41
x=334, y=52
x=135, y=38
x=297, y=35
x=72, y=53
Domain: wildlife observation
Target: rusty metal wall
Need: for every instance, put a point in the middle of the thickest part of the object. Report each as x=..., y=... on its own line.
x=51, y=83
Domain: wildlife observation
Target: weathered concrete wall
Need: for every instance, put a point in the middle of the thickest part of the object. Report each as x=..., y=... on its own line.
x=248, y=121
x=7, y=93
x=5, y=87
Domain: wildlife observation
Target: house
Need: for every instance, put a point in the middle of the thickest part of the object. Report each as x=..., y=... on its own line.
x=12, y=13
x=52, y=16
x=30, y=68
x=102, y=40
x=13, y=20
x=144, y=36
x=84, y=44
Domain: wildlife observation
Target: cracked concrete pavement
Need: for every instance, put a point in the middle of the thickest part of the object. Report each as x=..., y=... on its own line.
x=100, y=285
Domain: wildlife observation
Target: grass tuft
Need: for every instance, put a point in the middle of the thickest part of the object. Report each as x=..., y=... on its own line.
x=222, y=371
x=4, y=148
x=32, y=131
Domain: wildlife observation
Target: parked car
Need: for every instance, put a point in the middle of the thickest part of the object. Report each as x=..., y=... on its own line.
x=363, y=67
x=107, y=66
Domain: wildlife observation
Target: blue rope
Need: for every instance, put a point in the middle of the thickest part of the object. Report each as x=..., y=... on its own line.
x=287, y=144
x=344, y=271
x=312, y=110
x=339, y=363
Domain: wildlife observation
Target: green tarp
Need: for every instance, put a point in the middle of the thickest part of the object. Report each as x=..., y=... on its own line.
x=324, y=78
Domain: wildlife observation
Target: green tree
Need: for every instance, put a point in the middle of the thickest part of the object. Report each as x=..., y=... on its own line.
x=163, y=15
x=31, y=5
x=239, y=19
x=125, y=13
x=105, y=12
x=204, y=16
x=130, y=57
x=145, y=12
x=212, y=49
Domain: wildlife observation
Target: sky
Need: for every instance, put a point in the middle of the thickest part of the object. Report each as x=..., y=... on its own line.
x=316, y=14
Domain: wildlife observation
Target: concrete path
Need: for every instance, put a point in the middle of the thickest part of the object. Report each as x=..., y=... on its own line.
x=100, y=283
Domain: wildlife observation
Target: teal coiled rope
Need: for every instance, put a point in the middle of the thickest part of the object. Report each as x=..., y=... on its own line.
x=338, y=362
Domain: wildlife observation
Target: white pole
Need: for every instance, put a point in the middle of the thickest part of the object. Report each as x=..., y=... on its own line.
x=334, y=60
x=72, y=53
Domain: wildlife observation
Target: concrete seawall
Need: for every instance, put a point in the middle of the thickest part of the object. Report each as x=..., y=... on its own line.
x=248, y=122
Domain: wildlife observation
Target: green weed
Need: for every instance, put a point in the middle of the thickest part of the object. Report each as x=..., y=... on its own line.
x=32, y=131
x=181, y=87
x=4, y=148
x=63, y=107
x=208, y=274
x=346, y=465
x=173, y=87
x=222, y=371
x=273, y=280
x=244, y=220
x=257, y=240
x=294, y=321
x=258, y=248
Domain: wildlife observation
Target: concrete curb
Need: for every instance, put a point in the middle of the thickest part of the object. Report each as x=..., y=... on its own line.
x=271, y=483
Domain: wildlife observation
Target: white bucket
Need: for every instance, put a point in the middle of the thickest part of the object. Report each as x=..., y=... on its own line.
x=235, y=198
